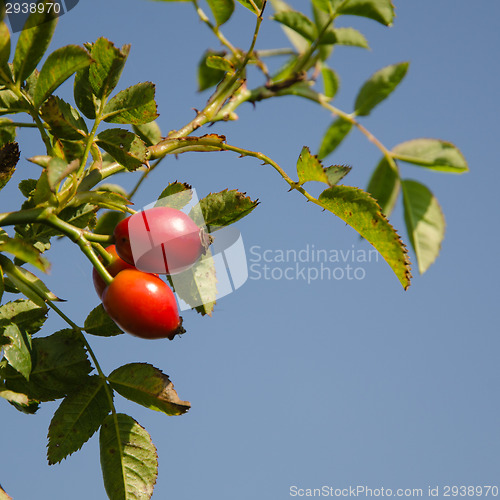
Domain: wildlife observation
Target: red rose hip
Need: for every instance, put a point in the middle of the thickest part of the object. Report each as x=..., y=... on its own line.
x=160, y=240
x=143, y=305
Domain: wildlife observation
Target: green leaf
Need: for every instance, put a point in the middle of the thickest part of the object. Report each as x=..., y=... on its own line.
x=334, y=135
x=43, y=193
x=27, y=315
x=222, y=10
x=23, y=251
x=208, y=76
x=176, y=195
x=60, y=367
x=384, y=186
x=362, y=213
x=107, y=222
x=298, y=41
x=378, y=10
x=99, y=323
x=33, y=41
x=135, y=105
x=331, y=82
x=424, y=222
x=7, y=133
x=378, y=87
x=27, y=283
x=70, y=150
x=220, y=63
x=10, y=103
x=150, y=132
x=323, y=5
x=76, y=420
x=82, y=91
x=433, y=154
x=309, y=168
x=17, y=352
x=30, y=84
x=58, y=67
x=107, y=67
x=103, y=199
x=82, y=216
x=27, y=186
x=58, y=169
x=39, y=235
x=223, y=208
x=197, y=286
x=64, y=121
x=125, y=147
x=254, y=5
x=4, y=53
x=4, y=44
x=128, y=459
x=144, y=384
x=9, y=156
x=297, y=22
x=350, y=36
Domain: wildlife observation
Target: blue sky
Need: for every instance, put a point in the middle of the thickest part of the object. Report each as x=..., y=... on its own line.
x=337, y=382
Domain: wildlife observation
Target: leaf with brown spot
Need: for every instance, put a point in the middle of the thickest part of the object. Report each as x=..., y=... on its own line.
x=148, y=386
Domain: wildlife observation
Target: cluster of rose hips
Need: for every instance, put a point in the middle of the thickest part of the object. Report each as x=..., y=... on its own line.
x=161, y=240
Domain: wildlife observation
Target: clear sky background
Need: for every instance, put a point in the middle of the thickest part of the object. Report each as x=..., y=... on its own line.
x=337, y=382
